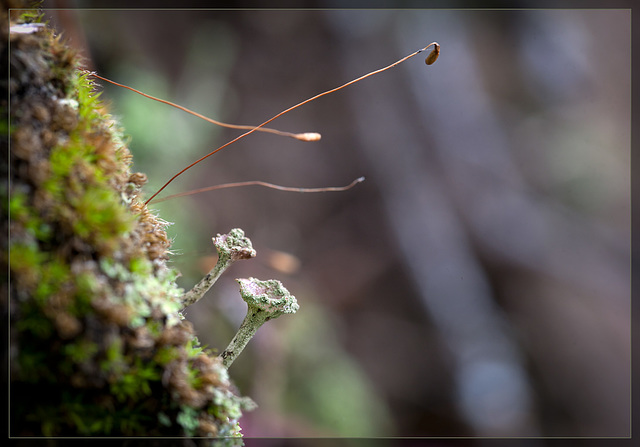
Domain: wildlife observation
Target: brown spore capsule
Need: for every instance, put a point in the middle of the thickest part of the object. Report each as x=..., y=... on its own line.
x=433, y=56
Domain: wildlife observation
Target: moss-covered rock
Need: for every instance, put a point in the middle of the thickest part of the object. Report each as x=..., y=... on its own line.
x=98, y=346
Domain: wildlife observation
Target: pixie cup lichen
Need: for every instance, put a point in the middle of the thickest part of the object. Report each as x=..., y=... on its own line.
x=230, y=247
x=266, y=300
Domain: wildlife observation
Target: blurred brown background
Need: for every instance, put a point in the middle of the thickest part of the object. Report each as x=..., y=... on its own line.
x=476, y=284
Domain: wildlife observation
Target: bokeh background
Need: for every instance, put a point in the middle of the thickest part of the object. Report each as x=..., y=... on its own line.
x=476, y=284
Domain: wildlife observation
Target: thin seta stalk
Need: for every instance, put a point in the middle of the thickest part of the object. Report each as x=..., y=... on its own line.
x=307, y=136
x=430, y=60
x=264, y=184
x=304, y=136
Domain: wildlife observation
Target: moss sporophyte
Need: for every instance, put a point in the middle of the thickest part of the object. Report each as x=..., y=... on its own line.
x=305, y=136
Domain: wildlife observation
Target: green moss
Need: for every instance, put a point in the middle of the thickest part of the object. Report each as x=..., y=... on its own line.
x=79, y=185
x=100, y=213
x=89, y=103
x=155, y=328
x=166, y=354
x=81, y=350
x=87, y=285
x=54, y=275
x=25, y=259
x=20, y=211
x=114, y=361
x=62, y=161
x=193, y=347
x=34, y=15
x=140, y=266
x=136, y=383
x=32, y=223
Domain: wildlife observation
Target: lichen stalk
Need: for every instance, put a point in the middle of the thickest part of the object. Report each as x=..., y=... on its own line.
x=230, y=247
x=266, y=300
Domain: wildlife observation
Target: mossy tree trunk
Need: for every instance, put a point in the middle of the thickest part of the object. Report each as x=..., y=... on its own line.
x=98, y=346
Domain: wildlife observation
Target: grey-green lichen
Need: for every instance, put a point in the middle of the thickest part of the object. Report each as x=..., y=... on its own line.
x=266, y=300
x=98, y=347
x=230, y=247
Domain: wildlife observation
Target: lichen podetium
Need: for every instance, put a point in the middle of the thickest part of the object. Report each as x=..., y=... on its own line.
x=230, y=247
x=266, y=300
